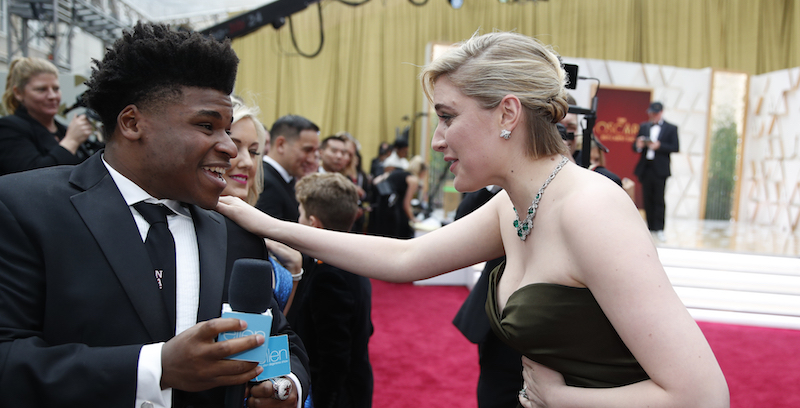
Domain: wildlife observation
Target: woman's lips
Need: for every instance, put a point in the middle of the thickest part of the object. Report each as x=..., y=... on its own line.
x=239, y=178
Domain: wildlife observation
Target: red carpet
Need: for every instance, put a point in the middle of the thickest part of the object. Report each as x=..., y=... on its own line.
x=420, y=360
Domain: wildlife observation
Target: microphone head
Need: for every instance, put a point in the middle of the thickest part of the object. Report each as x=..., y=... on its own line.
x=250, y=287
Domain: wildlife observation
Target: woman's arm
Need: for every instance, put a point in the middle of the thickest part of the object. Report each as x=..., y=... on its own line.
x=472, y=239
x=616, y=259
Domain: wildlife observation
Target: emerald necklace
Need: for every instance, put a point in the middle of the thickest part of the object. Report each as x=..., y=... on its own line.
x=524, y=228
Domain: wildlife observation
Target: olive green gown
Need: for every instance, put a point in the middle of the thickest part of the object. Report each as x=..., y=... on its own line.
x=563, y=328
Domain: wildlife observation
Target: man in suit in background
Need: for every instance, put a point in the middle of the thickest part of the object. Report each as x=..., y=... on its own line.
x=501, y=366
x=92, y=315
x=293, y=149
x=656, y=140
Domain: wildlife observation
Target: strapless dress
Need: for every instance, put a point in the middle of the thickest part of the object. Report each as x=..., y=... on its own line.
x=563, y=328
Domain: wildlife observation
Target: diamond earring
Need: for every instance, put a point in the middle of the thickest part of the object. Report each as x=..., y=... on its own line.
x=505, y=134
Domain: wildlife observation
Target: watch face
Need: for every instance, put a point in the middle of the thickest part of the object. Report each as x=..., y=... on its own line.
x=456, y=3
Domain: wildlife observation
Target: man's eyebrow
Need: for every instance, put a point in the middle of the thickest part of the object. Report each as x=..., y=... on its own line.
x=212, y=113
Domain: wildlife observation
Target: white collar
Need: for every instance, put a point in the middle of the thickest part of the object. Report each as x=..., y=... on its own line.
x=133, y=194
x=285, y=174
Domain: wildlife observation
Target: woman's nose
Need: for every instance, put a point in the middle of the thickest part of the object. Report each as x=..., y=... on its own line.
x=438, y=143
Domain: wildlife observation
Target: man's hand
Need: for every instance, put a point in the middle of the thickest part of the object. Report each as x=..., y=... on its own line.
x=654, y=145
x=192, y=361
x=261, y=397
x=640, y=142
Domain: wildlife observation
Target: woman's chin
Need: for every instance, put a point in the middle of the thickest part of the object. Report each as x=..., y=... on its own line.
x=463, y=185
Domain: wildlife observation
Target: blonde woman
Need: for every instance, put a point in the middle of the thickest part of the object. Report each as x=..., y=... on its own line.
x=582, y=294
x=30, y=137
x=244, y=179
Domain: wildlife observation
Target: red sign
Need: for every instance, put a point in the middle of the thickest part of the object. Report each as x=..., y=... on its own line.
x=619, y=113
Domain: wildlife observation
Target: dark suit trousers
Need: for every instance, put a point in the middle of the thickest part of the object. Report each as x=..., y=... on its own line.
x=653, y=187
x=498, y=383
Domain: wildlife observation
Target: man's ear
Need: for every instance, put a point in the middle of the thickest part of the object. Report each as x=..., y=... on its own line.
x=315, y=222
x=129, y=123
x=511, y=112
x=279, y=145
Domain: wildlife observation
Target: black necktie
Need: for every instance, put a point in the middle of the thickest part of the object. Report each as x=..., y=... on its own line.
x=161, y=248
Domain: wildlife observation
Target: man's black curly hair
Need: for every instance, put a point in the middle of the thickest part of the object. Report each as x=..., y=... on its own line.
x=150, y=64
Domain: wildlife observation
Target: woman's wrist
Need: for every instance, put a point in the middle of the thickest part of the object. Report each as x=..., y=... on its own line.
x=298, y=276
x=71, y=145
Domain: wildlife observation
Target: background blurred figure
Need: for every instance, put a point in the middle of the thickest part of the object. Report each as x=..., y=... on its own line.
x=244, y=180
x=376, y=167
x=657, y=139
x=597, y=161
x=501, y=366
x=267, y=139
x=30, y=137
x=333, y=154
x=570, y=123
x=398, y=156
x=395, y=212
x=363, y=182
x=295, y=141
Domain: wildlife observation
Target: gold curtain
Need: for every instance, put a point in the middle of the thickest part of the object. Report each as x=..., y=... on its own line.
x=364, y=79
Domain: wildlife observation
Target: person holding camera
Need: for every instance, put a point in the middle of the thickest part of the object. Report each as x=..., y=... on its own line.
x=31, y=138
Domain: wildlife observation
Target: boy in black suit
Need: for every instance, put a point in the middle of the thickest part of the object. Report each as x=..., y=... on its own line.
x=331, y=311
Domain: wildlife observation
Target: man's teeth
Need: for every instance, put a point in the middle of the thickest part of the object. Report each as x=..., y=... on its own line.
x=219, y=170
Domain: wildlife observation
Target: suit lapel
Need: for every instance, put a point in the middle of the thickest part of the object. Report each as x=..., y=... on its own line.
x=289, y=187
x=109, y=220
x=212, y=242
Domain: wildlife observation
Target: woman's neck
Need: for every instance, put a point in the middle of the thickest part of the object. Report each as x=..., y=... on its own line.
x=524, y=182
x=47, y=121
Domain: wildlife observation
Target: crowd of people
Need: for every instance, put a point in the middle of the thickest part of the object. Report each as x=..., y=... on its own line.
x=93, y=316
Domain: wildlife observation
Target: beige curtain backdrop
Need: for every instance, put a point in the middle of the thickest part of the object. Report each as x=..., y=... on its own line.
x=364, y=80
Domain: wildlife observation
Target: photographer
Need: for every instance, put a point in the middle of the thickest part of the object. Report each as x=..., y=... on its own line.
x=31, y=137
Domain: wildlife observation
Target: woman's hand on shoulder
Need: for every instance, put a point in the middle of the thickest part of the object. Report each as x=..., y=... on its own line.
x=247, y=216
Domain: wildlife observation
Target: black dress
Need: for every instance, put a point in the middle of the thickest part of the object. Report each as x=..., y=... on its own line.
x=388, y=217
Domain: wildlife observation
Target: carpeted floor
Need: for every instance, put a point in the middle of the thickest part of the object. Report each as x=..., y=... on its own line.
x=420, y=360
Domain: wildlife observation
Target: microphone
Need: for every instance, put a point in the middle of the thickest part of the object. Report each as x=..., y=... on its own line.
x=249, y=291
x=250, y=286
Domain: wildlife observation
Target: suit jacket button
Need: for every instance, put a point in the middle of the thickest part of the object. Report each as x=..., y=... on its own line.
x=147, y=404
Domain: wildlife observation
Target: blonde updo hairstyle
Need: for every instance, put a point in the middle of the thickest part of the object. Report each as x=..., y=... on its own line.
x=241, y=111
x=488, y=67
x=19, y=73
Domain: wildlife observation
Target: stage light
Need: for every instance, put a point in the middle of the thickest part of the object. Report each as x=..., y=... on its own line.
x=456, y=4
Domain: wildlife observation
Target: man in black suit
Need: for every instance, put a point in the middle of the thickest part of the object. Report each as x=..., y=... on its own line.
x=501, y=366
x=656, y=140
x=292, y=154
x=87, y=318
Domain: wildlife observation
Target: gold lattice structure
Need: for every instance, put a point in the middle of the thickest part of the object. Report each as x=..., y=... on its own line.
x=771, y=174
